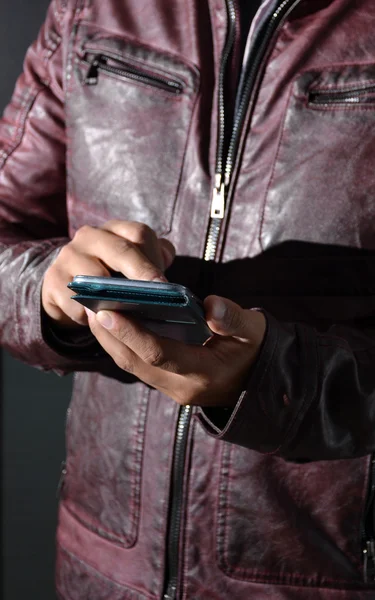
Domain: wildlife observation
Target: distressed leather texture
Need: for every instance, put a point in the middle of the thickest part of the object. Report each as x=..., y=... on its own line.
x=275, y=494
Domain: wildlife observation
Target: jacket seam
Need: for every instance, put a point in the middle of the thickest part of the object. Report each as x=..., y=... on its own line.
x=138, y=594
x=256, y=574
x=252, y=574
x=305, y=404
x=46, y=247
x=296, y=420
x=104, y=534
x=27, y=103
x=281, y=136
x=53, y=42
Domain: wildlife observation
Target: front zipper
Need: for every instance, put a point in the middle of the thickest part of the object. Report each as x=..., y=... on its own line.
x=176, y=501
x=223, y=170
x=356, y=95
x=224, y=165
x=219, y=191
x=368, y=529
x=121, y=68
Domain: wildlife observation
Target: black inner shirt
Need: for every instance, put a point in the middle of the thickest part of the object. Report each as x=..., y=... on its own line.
x=248, y=9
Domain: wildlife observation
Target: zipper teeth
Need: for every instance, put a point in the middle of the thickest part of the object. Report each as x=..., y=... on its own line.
x=259, y=49
x=177, y=499
x=223, y=66
x=352, y=96
x=212, y=239
x=367, y=530
x=131, y=72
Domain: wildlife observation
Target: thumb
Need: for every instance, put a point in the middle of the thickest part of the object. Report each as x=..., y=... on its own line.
x=227, y=318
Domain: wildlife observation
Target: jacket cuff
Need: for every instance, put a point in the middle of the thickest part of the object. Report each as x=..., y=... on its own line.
x=70, y=343
x=33, y=342
x=280, y=389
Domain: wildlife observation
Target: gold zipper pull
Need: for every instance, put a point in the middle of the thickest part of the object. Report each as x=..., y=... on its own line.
x=218, y=198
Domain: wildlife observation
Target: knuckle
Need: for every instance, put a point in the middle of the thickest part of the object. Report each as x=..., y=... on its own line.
x=82, y=233
x=64, y=254
x=122, y=245
x=125, y=363
x=154, y=357
x=110, y=224
x=233, y=320
x=141, y=232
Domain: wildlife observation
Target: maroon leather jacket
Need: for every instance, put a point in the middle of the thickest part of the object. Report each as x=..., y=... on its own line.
x=119, y=114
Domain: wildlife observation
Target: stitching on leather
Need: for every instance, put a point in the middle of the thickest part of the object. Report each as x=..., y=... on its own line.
x=281, y=135
x=171, y=97
x=137, y=595
x=360, y=86
x=137, y=446
x=255, y=574
x=222, y=509
x=184, y=566
x=168, y=466
x=182, y=164
x=122, y=542
x=226, y=511
x=27, y=100
x=135, y=42
x=127, y=58
x=312, y=69
x=341, y=108
x=53, y=41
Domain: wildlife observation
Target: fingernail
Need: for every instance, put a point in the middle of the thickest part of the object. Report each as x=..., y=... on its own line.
x=160, y=279
x=104, y=319
x=218, y=309
x=88, y=311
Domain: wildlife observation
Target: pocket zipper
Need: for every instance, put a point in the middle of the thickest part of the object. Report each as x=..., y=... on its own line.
x=368, y=529
x=108, y=64
x=359, y=95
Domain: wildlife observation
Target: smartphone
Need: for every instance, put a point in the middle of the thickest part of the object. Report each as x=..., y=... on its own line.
x=168, y=309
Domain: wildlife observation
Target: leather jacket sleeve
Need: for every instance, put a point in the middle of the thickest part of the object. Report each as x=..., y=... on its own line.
x=310, y=396
x=33, y=218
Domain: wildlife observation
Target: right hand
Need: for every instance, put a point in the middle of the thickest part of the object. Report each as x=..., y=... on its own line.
x=125, y=246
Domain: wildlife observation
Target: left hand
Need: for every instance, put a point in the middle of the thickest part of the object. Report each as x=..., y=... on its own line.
x=210, y=375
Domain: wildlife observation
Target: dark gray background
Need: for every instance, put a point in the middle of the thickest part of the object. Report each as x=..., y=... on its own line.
x=34, y=403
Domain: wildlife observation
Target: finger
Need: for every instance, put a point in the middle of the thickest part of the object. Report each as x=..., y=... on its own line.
x=118, y=254
x=124, y=356
x=142, y=236
x=162, y=353
x=56, y=296
x=227, y=318
x=168, y=251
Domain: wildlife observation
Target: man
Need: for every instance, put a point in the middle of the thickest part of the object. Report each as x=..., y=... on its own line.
x=243, y=468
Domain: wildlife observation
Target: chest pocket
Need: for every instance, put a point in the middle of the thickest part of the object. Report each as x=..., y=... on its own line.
x=129, y=109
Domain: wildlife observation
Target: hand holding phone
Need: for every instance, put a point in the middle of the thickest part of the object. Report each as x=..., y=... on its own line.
x=168, y=309
x=127, y=247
